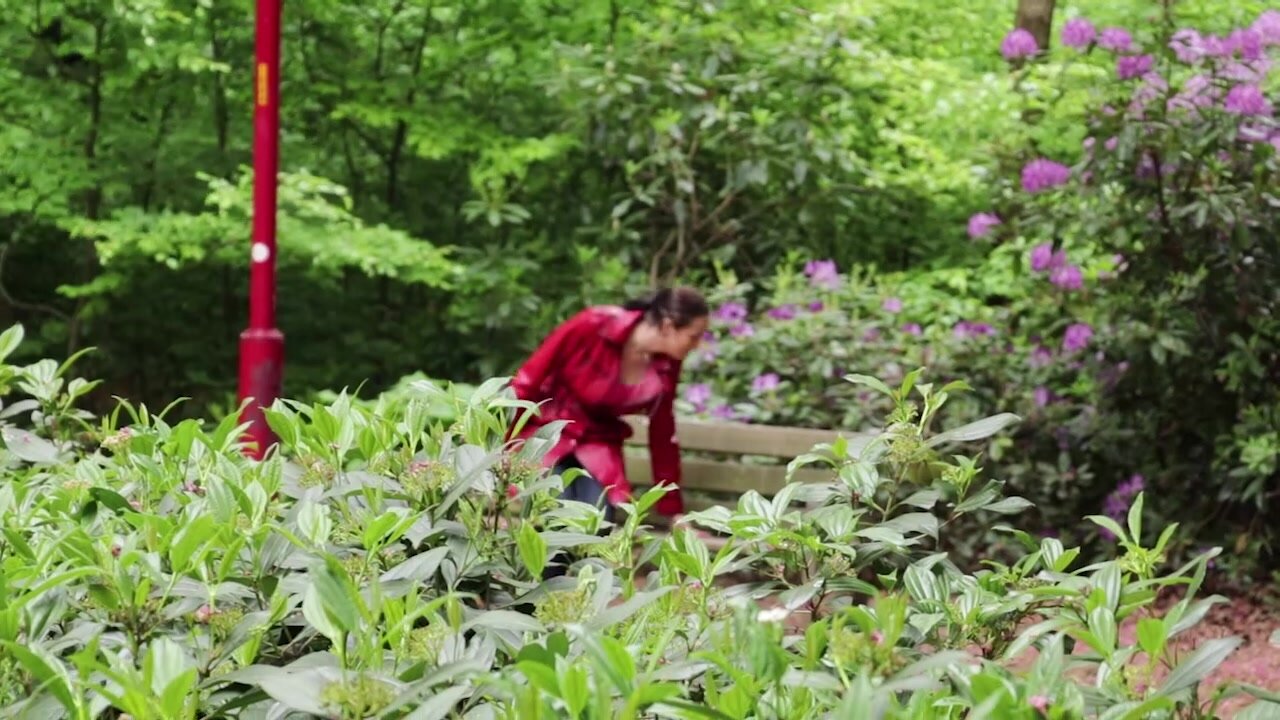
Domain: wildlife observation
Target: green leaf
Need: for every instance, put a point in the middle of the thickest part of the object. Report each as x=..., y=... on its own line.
x=1151, y=636
x=612, y=659
x=979, y=430
x=921, y=584
x=317, y=615
x=1109, y=524
x=110, y=499
x=533, y=549
x=420, y=568
x=879, y=533
x=1260, y=710
x=507, y=620
x=10, y=340
x=918, y=523
x=684, y=710
x=615, y=614
x=540, y=674
x=574, y=689
x=1009, y=506
x=338, y=594
x=1135, y=518
x=1108, y=580
x=1197, y=666
x=28, y=447
x=299, y=690
x=1102, y=623
x=923, y=499
x=48, y=671
x=1136, y=710
x=440, y=704
x=871, y=382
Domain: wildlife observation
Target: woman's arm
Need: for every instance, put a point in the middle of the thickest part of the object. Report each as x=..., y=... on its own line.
x=664, y=447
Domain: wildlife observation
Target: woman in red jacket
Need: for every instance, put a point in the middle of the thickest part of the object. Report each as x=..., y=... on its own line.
x=602, y=364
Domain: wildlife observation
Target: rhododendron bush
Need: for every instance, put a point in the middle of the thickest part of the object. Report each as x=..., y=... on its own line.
x=1127, y=305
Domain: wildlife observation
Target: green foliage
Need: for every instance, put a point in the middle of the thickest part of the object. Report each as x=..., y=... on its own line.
x=385, y=564
x=1101, y=306
x=561, y=157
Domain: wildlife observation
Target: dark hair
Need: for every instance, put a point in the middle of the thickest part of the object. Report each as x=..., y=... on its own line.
x=681, y=305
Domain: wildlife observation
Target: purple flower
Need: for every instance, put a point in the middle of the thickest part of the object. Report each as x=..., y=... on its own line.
x=981, y=224
x=822, y=273
x=764, y=383
x=912, y=329
x=1253, y=133
x=1116, y=505
x=1116, y=39
x=1018, y=44
x=698, y=395
x=1249, y=73
x=1042, y=396
x=731, y=312
x=723, y=412
x=816, y=306
x=1188, y=45
x=1245, y=42
x=1153, y=87
x=783, y=312
x=1197, y=92
x=1076, y=337
x=1268, y=27
x=1111, y=144
x=966, y=329
x=1247, y=100
x=742, y=330
x=1129, y=67
x=1042, y=174
x=1044, y=258
x=1078, y=33
x=1040, y=357
x=1067, y=277
x=892, y=305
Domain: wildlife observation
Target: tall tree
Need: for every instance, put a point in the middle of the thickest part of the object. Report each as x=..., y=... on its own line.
x=1036, y=17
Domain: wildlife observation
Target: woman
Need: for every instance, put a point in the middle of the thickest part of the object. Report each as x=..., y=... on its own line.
x=602, y=364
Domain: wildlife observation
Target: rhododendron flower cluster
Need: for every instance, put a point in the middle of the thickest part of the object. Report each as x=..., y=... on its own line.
x=1019, y=44
x=822, y=273
x=1078, y=33
x=1043, y=174
x=981, y=225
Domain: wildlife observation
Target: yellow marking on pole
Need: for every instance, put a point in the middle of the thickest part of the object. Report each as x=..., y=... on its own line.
x=262, y=84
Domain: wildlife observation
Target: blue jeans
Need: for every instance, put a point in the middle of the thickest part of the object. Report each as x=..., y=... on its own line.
x=584, y=488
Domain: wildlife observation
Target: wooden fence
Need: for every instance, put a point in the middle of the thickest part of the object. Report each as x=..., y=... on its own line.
x=723, y=460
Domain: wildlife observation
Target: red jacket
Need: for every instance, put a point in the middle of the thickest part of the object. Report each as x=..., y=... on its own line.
x=574, y=374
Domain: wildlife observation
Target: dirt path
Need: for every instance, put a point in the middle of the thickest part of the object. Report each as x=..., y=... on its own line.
x=1256, y=661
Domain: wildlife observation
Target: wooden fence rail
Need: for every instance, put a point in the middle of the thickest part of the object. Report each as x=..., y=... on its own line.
x=723, y=460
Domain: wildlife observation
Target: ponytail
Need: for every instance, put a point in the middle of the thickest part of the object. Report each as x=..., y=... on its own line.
x=680, y=305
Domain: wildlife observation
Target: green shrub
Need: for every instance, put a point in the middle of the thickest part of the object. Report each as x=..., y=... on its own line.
x=1126, y=307
x=384, y=564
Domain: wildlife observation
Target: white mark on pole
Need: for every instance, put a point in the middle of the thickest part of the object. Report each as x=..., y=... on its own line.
x=260, y=252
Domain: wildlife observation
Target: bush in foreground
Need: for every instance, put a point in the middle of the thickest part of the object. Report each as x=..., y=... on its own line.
x=390, y=565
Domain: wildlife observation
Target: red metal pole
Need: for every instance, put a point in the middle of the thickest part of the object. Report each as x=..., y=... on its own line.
x=262, y=344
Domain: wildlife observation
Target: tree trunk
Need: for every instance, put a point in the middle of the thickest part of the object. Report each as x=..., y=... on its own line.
x=1036, y=17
